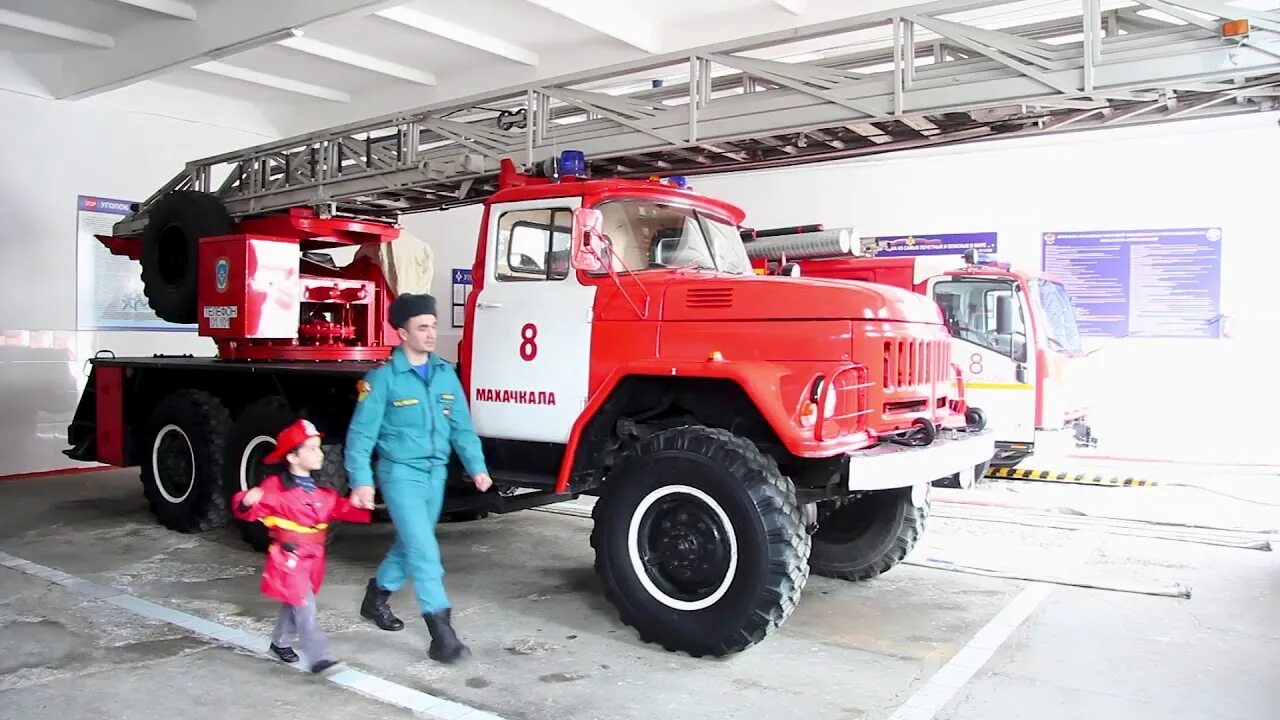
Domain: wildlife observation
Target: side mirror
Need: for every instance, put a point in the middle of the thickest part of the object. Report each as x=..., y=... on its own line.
x=588, y=239
x=1004, y=315
x=790, y=270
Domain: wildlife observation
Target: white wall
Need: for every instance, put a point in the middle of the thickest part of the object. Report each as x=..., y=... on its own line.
x=1166, y=398
x=452, y=235
x=113, y=146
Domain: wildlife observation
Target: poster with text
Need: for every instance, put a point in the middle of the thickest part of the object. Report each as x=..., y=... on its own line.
x=461, y=291
x=109, y=287
x=1141, y=283
x=944, y=244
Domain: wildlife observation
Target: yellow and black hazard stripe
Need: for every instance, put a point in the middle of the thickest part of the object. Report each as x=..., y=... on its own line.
x=1004, y=473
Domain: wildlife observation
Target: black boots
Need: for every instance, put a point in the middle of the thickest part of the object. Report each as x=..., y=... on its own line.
x=445, y=645
x=375, y=607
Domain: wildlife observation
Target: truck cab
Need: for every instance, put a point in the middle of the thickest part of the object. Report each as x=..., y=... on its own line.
x=1020, y=349
x=582, y=284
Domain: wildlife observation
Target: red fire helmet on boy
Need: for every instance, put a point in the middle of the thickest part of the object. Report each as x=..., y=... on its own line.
x=290, y=439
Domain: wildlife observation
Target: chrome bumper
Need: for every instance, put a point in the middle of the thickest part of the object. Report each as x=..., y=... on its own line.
x=893, y=466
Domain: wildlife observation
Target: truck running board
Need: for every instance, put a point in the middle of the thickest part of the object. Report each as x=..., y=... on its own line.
x=939, y=72
x=502, y=504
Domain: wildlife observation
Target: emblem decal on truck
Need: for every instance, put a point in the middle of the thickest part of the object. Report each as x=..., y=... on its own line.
x=221, y=273
x=518, y=397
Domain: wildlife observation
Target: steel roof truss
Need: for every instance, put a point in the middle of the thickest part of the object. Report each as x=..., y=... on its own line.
x=938, y=80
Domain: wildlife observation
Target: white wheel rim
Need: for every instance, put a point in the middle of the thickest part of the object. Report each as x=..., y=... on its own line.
x=155, y=464
x=248, y=452
x=637, y=565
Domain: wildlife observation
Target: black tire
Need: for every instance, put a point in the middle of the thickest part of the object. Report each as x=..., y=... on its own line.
x=183, y=459
x=860, y=538
x=252, y=438
x=676, y=471
x=175, y=225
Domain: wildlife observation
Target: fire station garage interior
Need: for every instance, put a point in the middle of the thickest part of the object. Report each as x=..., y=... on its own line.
x=778, y=358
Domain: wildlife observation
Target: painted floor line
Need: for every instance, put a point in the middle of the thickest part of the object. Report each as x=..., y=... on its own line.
x=363, y=683
x=929, y=700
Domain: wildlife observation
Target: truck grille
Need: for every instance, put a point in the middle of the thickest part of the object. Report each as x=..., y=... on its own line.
x=909, y=362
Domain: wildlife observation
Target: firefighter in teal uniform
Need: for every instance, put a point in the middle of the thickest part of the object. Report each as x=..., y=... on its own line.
x=413, y=411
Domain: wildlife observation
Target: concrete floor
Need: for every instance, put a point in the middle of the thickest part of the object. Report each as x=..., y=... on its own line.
x=547, y=645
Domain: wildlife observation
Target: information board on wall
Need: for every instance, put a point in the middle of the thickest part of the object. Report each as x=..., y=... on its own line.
x=109, y=287
x=1141, y=283
x=461, y=291
x=944, y=244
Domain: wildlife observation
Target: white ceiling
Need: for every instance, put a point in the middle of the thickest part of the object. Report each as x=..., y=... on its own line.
x=314, y=63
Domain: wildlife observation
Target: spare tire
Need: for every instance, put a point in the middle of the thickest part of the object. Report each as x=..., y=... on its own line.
x=170, y=255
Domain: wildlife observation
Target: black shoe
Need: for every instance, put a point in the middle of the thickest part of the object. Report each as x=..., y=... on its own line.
x=285, y=654
x=375, y=607
x=445, y=645
x=323, y=665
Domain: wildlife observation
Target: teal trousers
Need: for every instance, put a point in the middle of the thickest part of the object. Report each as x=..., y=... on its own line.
x=414, y=505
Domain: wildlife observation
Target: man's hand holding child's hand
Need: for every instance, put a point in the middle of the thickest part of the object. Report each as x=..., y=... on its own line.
x=251, y=497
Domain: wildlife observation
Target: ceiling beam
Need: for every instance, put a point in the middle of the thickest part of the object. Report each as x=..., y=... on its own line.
x=795, y=7
x=612, y=19
x=172, y=8
x=459, y=34
x=358, y=59
x=272, y=81
x=55, y=29
x=226, y=27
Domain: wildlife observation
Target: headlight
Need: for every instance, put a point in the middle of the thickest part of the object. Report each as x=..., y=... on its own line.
x=815, y=396
x=829, y=408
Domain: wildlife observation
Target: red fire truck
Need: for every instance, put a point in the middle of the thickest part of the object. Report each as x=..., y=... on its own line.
x=738, y=430
x=1014, y=332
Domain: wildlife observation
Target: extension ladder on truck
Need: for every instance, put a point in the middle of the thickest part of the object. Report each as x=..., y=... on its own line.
x=947, y=71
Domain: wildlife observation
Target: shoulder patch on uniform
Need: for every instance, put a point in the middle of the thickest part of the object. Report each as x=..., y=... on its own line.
x=363, y=388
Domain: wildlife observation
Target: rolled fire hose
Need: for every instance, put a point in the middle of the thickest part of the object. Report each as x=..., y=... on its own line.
x=802, y=245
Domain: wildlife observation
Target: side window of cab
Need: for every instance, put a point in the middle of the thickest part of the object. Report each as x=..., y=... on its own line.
x=533, y=245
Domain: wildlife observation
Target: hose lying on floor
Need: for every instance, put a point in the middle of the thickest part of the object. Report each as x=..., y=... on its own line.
x=1176, y=590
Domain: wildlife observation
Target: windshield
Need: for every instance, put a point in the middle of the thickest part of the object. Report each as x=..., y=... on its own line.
x=648, y=235
x=1062, y=333
x=969, y=308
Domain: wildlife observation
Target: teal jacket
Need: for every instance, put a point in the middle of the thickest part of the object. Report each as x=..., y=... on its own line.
x=412, y=424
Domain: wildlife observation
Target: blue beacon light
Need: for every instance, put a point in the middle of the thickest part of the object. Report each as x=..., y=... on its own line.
x=573, y=163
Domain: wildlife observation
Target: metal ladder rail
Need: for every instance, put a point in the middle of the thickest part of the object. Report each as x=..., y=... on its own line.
x=401, y=170
x=435, y=158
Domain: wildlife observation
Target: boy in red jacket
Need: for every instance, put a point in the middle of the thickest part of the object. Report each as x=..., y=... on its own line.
x=298, y=513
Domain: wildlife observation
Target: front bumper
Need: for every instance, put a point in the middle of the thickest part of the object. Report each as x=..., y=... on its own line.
x=890, y=465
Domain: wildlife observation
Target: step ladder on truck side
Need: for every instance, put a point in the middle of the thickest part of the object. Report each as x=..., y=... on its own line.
x=739, y=430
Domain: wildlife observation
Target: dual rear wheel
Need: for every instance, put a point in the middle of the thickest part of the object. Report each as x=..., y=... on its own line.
x=197, y=458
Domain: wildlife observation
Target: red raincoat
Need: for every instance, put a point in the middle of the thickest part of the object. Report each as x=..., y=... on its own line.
x=297, y=522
